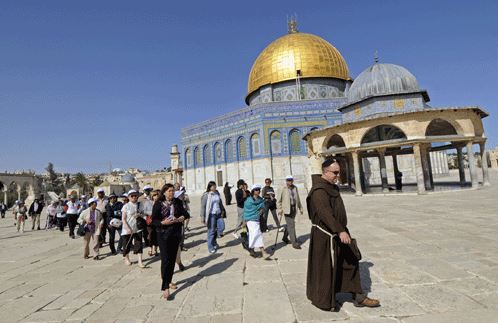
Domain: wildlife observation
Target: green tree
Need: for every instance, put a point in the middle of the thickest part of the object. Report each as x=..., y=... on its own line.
x=82, y=181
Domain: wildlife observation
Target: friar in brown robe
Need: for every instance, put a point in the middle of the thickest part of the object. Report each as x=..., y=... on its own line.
x=337, y=271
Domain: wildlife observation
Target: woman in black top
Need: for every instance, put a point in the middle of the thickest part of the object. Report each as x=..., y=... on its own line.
x=168, y=214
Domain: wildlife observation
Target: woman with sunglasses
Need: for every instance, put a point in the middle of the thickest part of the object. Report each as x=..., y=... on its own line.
x=168, y=215
x=254, y=206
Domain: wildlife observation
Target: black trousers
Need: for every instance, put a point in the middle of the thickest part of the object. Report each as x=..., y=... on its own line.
x=71, y=223
x=169, y=240
x=61, y=222
x=137, y=243
x=112, y=237
x=103, y=233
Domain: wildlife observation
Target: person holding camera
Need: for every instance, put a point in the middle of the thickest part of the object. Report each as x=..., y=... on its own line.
x=133, y=225
x=114, y=222
x=93, y=223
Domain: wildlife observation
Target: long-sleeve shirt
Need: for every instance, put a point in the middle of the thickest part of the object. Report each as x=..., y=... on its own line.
x=252, y=208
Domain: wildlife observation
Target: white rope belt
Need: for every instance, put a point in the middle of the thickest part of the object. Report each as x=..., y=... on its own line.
x=331, y=242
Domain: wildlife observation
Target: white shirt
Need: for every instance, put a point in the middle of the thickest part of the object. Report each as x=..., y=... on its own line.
x=72, y=207
x=130, y=209
x=146, y=205
x=215, y=204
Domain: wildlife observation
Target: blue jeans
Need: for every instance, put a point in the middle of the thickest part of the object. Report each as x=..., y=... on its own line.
x=215, y=226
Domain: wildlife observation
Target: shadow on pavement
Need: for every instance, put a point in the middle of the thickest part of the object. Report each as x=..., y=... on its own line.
x=212, y=270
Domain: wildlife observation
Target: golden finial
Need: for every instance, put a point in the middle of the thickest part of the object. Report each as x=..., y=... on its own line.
x=292, y=24
x=376, y=56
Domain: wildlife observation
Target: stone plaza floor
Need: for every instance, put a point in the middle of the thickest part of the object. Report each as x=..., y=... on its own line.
x=430, y=258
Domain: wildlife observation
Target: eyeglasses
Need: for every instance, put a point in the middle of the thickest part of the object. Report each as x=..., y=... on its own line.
x=335, y=172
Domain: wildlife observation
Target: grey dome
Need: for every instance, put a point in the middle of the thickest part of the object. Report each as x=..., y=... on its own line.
x=382, y=79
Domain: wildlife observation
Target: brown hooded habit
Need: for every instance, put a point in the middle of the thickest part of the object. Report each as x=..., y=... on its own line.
x=327, y=276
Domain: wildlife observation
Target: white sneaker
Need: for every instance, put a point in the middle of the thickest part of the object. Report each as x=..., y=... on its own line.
x=282, y=229
x=235, y=235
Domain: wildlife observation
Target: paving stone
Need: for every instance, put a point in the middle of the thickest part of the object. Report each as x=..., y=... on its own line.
x=417, y=259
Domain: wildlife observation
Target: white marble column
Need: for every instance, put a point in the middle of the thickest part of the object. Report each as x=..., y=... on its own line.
x=357, y=174
x=5, y=196
x=314, y=169
x=461, y=166
x=472, y=165
x=419, y=171
x=484, y=164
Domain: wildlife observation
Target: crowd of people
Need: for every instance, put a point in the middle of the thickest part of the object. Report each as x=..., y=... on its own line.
x=158, y=220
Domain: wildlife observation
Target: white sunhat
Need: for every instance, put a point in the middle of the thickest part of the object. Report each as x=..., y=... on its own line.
x=256, y=187
x=83, y=196
x=100, y=190
x=148, y=187
x=133, y=192
x=178, y=194
x=92, y=200
x=289, y=178
x=125, y=195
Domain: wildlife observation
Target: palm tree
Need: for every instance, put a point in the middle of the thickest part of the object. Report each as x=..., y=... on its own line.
x=82, y=181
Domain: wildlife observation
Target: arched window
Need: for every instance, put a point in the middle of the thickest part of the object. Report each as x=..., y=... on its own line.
x=382, y=133
x=188, y=157
x=228, y=151
x=207, y=155
x=440, y=127
x=218, y=154
x=197, y=157
x=276, y=142
x=255, y=145
x=295, y=141
x=335, y=141
x=241, y=148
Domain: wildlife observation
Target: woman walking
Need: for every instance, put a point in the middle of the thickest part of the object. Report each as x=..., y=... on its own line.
x=168, y=214
x=60, y=214
x=253, y=208
x=51, y=214
x=211, y=214
x=131, y=231
x=20, y=213
x=92, y=219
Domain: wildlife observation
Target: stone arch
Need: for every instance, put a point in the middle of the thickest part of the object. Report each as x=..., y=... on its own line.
x=382, y=133
x=295, y=142
x=441, y=127
x=276, y=142
x=334, y=141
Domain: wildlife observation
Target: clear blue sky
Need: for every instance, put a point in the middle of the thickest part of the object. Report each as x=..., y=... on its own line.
x=83, y=83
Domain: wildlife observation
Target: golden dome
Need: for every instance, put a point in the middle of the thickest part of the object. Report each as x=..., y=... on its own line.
x=312, y=55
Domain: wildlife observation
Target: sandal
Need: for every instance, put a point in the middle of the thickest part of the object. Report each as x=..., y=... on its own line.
x=173, y=286
x=142, y=266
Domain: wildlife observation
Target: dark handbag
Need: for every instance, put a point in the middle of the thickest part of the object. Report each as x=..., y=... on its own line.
x=81, y=230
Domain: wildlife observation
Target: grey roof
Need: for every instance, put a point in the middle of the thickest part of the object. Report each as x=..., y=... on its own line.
x=382, y=79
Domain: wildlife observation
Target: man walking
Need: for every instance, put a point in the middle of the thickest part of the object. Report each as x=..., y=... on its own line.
x=268, y=193
x=113, y=210
x=35, y=210
x=101, y=206
x=288, y=203
x=333, y=259
x=240, y=197
x=72, y=213
x=3, y=209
